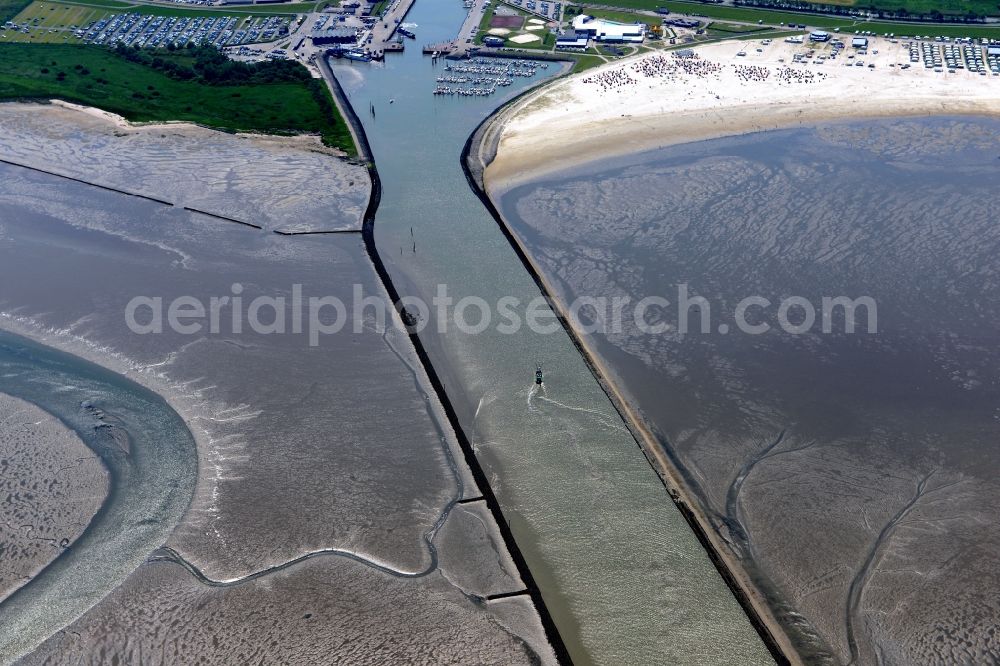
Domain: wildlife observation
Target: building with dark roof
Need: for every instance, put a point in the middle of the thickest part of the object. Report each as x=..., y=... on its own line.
x=335, y=36
x=572, y=39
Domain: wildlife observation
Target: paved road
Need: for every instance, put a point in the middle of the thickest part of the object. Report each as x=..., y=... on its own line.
x=384, y=30
x=470, y=27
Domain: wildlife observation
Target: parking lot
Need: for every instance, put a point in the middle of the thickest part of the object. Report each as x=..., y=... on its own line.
x=51, y=22
x=549, y=10
x=953, y=56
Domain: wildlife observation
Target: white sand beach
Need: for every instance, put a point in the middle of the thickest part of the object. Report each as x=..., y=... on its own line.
x=659, y=99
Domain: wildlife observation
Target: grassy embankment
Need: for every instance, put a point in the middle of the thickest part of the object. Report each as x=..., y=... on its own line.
x=11, y=8
x=585, y=62
x=622, y=17
x=171, y=9
x=182, y=85
x=954, y=8
x=771, y=17
x=733, y=28
x=238, y=10
x=923, y=7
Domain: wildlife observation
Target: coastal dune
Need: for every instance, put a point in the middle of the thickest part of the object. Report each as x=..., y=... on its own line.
x=660, y=99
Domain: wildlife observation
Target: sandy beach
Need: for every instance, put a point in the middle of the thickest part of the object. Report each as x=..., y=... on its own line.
x=660, y=99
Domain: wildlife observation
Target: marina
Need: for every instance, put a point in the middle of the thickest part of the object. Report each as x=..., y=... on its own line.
x=473, y=91
x=482, y=76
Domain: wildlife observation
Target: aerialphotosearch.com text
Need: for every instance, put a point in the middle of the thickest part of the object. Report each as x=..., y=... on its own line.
x=316, y=316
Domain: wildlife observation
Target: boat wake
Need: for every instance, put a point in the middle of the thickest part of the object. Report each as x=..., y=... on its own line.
x=611, y=421
x=484, y=401
x=535, y=390
x=537, y=393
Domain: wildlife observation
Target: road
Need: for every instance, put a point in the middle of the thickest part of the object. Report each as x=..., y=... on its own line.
x=470, y=27
x=383, y=31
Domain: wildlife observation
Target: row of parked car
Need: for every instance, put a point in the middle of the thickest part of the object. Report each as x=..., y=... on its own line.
x=159, y=31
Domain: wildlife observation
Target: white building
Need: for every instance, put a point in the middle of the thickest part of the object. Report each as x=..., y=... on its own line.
x=602, y=30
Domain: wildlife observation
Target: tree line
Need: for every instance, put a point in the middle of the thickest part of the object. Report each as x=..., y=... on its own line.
x=862, y=8
x=209, y=65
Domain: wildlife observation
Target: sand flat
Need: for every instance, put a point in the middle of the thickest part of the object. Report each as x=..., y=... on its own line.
x=865, y=206
x=337, y=452
x=52, y=485
x=321, y=611
x=189, y=165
